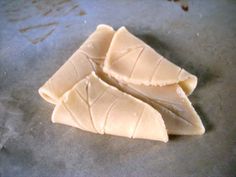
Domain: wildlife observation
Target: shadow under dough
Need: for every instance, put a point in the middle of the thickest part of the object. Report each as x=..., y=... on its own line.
x=205, y=74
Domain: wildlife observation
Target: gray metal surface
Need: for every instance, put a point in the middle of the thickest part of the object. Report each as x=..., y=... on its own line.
x=36, y=37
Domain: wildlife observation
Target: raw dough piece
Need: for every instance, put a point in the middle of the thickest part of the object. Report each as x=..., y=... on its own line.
x=131, y=60
x=95, y=106
x=80, y=64
x=137, y=69
x=171, y=101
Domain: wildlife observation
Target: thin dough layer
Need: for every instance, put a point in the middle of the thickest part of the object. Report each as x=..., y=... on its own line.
x=172, y=103
x=97, y=107
x=131, y=60
x=177, y=111
x=85, y=60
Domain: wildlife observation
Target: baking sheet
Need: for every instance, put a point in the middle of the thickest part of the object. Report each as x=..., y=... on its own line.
x=36, y=37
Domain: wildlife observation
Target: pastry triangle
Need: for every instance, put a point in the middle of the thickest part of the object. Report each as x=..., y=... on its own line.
x=85, y=60
x=172, y=103
x=106, y=110
x=131, y=60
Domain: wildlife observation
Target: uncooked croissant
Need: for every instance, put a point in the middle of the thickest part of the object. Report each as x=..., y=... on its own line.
x=131, y=60
x=95, y=106
x=137, y=69
x=80, y=64
x=177, y=111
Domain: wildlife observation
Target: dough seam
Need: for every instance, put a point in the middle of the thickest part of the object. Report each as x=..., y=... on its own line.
x=178, y=77
x=138, y=122
x=107, y=114
x=159, y=104
x=124, y=53
x=134, y=66
x=76, y=91
x=170, y=110
x=77, y=73
x=104, y=91
x=89, y=108
x=156, y=69
x=93, y=58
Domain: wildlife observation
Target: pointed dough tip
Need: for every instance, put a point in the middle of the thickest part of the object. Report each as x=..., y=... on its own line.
x=122, y=28
x=166, y=139
x=201, y=130
x=188, y=82
x=46, y=93
x=104, y=26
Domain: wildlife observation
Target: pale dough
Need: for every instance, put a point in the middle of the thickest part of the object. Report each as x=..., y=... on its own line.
x=85, y=60
x=131, y=60
x=95, y=106
x=134, y=68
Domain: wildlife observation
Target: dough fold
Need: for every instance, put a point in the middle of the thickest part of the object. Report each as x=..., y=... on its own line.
x=85, y=60
x=97, y=107
x=131, y=60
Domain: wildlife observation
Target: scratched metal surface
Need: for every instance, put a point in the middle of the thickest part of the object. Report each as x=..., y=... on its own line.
x=37, y=36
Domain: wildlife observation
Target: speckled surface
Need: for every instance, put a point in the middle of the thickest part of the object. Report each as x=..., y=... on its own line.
x=36, y=37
